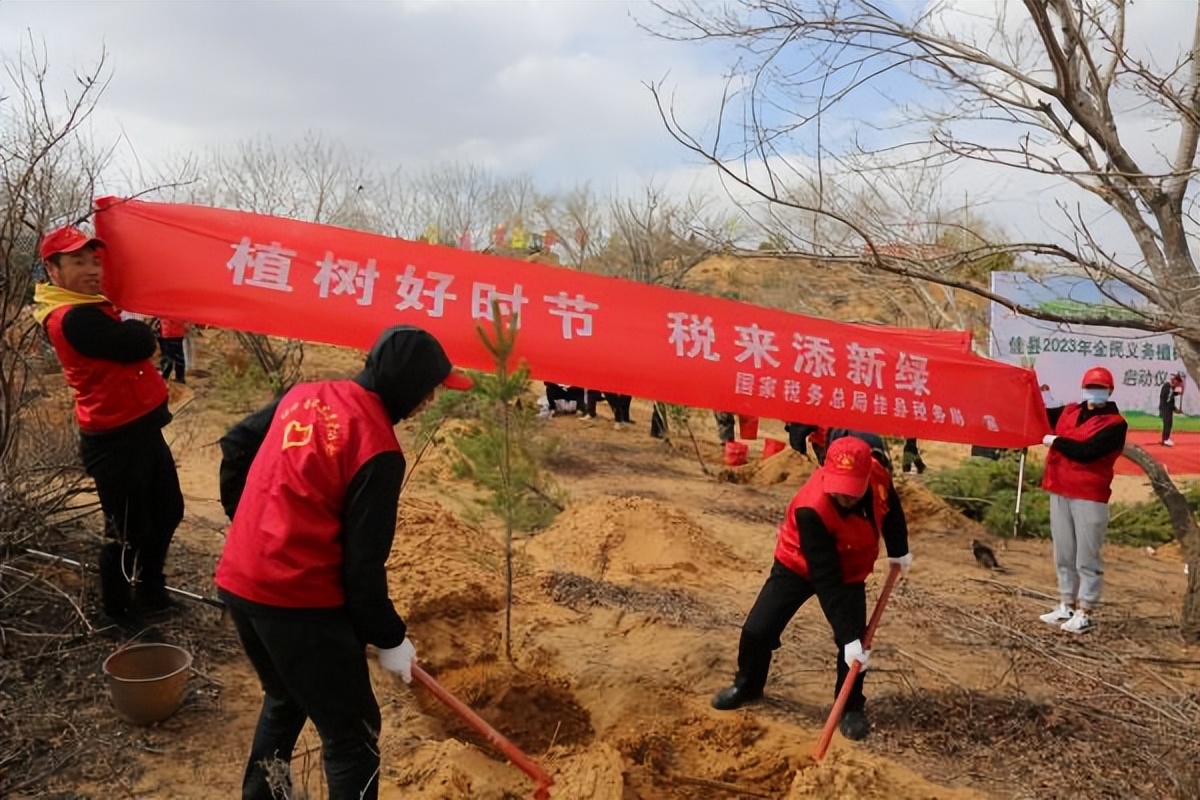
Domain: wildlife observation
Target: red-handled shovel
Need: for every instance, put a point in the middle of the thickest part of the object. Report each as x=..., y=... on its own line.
x=523, y=762
x=839, y=705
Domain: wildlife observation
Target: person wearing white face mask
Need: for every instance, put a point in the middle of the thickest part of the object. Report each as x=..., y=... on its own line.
x=1087, y=441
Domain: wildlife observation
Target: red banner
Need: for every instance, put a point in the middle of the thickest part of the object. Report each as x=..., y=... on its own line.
x=322, y=283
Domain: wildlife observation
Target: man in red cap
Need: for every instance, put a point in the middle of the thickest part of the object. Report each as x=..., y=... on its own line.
x=827, y=545
x=1087, y=441
x=303, y=570
x=121, y=408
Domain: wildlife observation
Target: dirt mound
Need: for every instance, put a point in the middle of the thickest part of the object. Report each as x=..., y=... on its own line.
x=849, y=773
x=928, y=513
x=632, y=537
x=787, y=466
x=433, y=461
x=446, y=578
x=700, y=756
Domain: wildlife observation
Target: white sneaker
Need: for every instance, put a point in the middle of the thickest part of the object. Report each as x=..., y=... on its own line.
x=1168, y=443
x=1079, y=622
x=1061, y=613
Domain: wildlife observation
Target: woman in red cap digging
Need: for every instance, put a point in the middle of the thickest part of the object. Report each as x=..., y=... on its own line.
x=1087, y=441
x=827, y=545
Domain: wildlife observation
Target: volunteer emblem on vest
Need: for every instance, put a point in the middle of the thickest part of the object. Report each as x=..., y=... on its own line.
x=296, y=435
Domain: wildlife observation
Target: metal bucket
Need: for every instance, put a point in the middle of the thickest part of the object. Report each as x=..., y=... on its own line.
x=147, y=681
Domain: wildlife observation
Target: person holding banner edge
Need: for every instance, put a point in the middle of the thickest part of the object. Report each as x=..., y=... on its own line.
x=826, y=545
x=1087, y=441
x=121, y=409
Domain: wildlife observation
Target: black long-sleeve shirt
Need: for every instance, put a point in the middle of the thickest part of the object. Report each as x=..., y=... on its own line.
x=368, y=528
x=1166, y=398
x=844, y=603
x=95, y=334
x=1104, y=442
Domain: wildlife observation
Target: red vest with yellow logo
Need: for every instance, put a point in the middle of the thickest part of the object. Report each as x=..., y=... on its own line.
x=108, y=394
x=857, y=538
x=1075, y=479
x=284, y=548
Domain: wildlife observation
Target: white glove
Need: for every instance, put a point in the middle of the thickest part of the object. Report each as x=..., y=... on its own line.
x=1048, y=439
x=854, y=652
x=903, y=562
x=1048, y=399
x=399, y=659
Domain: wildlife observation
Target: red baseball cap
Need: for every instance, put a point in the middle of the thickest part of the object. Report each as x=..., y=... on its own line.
x=847, y=466
x=66, y=239
x=457, y=379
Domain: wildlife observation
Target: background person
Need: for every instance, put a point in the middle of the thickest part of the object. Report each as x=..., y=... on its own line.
x=303, y=569
x=171, y=334
x=121, y=409
x=1087, y=441
x=1170, y=400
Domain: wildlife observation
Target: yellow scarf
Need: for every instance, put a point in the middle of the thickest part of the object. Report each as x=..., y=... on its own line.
x=47, y=297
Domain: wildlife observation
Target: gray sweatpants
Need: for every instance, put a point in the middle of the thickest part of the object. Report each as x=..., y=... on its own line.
x=1078, y=528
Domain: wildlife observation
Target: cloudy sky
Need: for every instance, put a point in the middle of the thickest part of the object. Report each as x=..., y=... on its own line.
x=556, y=90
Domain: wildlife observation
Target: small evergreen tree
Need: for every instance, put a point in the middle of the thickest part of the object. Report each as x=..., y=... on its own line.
x=502, y=452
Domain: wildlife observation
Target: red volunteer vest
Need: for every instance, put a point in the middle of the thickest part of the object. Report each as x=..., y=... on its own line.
x=108, y=394
x=172, y=328
x=1073, y=479
x=284, y=548
x=857, y=538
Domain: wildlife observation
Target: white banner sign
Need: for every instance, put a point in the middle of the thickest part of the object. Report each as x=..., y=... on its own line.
x=1140, y=362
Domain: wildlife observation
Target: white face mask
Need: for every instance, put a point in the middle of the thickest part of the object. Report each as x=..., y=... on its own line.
x=1097, y=396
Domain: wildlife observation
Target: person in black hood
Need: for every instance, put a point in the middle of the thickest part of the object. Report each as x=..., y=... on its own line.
x=303, y=569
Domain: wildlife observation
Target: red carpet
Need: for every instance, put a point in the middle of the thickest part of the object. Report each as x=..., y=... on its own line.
x=1182, y=459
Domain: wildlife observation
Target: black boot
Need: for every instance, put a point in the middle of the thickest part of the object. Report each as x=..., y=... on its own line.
x=154, y=599
x=115, y=595
x=734, y=696
x=855, y=725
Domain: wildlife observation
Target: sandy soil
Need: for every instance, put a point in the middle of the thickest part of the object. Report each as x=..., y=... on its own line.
x=626, y=619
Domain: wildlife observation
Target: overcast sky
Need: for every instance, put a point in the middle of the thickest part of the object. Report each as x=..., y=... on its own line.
x=553, y=89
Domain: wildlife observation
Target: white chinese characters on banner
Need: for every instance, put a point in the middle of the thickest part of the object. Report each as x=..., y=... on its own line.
x=265, y=266
x=486, y=295
x=692, y=336
x=756, y=344
x=572, y=310
x=411, y=289
x=343, y=276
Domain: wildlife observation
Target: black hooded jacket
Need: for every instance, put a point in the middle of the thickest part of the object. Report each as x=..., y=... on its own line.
x=403, y=368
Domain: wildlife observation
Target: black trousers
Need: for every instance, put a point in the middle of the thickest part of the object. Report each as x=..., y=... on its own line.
x=619, y=403
x=778, y=601
x=139, y=494
x=725, y=422
x=1168, y=418
x=311, y=665
x=172, y=358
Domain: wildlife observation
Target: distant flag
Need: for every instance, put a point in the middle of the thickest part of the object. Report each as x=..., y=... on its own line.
x=520, y=238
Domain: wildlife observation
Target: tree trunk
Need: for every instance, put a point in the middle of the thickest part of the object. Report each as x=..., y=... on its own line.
x=1187, y=533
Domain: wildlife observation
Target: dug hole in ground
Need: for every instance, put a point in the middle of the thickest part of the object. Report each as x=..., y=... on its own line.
x=626, y=620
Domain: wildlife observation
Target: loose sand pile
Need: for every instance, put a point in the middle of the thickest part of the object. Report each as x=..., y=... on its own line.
x=621, y=538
